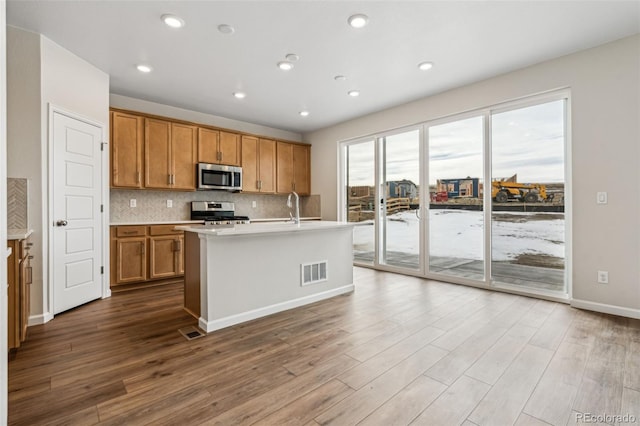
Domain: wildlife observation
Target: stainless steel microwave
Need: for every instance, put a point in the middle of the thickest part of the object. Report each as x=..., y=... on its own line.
x=216, y=176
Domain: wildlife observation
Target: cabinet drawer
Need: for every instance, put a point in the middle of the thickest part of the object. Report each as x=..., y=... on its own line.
x=131, y=231
x=164, y=230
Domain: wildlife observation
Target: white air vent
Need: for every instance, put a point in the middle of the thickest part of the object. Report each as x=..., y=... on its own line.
x=313, y=272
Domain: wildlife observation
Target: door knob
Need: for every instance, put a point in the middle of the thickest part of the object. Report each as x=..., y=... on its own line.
x=61, y=223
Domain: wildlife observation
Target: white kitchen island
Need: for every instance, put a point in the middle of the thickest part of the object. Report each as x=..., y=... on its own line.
x=240, y=273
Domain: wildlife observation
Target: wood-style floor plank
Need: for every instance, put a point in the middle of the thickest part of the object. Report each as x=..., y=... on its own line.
x=399, y=350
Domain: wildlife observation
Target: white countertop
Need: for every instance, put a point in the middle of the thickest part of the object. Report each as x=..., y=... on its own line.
x=18, y=234
x=9, y=251
x=264, y=228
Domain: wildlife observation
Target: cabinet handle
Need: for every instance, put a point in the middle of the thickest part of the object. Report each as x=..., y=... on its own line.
x=130, y=232
x=169, y=179
x=177, y=246
x=141, y=248
x=137, y=177
x=219, y=156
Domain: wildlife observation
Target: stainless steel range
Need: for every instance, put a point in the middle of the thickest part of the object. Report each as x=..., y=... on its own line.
x=216, y=213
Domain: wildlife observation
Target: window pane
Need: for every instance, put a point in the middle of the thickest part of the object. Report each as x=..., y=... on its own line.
x=456, y=224
x=401, y=231
x=360, y=199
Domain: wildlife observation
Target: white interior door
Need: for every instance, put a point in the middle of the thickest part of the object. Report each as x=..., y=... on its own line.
x=77, y=224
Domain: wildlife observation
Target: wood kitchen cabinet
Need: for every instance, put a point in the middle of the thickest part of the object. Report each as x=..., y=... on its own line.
x=130, y=254
x=145, y=253
x=170, y=155
x=293, y=170
x=127, y=139
x=258, y=165
x=20, y=278
x=218, y=147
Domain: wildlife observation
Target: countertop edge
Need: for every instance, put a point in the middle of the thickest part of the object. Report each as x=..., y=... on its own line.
x=180, y=222
x=18, y=234
x=256, y=229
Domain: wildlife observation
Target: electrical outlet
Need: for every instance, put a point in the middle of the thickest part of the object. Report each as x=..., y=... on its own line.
x=132, y=202
x=253, y=204
x=601, y=198
x=169, y=204
x=603, y=277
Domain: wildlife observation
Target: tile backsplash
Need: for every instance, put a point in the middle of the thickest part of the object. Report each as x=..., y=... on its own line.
x=151, y=206
x=17, y=199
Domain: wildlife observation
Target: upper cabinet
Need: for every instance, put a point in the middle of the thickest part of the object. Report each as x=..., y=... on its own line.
x=218, y=147
x=170, y=155
x=127, y=138
x=157, y=153
x=258, y=165
x=293, y=168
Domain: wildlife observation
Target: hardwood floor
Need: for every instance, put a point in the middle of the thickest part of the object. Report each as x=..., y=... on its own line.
x=399, y=350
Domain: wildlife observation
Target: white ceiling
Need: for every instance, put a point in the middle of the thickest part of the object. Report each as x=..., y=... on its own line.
x=199, y=68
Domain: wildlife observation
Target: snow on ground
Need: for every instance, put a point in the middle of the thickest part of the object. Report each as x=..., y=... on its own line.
x=459, y=234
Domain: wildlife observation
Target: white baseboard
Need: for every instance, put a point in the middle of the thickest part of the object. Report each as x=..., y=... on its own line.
x=606, y=309
x=39, y=319
x=271, y=309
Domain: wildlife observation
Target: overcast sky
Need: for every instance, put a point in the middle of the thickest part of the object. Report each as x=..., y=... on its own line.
x=528, y=142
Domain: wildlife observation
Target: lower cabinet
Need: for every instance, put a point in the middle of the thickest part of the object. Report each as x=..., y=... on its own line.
x=19, y=289
x=145, y=253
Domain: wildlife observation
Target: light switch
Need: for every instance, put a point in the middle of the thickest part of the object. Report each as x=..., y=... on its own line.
x=602, y=198
x=169, y=204
x=132, y=202
x=253, y=204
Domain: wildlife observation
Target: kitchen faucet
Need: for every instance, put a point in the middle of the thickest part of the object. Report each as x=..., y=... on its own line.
x=296, y=219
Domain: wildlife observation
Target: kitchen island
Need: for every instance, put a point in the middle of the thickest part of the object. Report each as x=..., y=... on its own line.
x=243, y=272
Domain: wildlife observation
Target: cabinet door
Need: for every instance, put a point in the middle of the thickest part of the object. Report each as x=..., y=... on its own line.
x=301, y=169
x=284, y=165
x=163, y=258
x=157, y=149
x=267, y=165
x=229, y=149
x=208, y=145
x=249, y=164
x=126, y=150
x=180, y=254
x=183, y=156
x=13, y=299
x=131, y=260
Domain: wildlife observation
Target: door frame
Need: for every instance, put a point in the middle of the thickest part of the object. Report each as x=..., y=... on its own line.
x=48, y=219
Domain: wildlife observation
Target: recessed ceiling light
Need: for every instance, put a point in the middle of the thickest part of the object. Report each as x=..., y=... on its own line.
x=339, y=78
x=358, y=21
x=425, y=66
x=173, y=21
x=226, y=29
x=285, y=65
x=240, y=95
x=353, y=93
x=304, y=113
x=292, y=57
x=144, y=68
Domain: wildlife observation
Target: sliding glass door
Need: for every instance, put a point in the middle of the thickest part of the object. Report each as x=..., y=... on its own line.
x=528, y=187
x=456, y=221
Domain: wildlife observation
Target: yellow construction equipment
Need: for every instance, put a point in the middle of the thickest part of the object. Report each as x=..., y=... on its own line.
x=502, y=191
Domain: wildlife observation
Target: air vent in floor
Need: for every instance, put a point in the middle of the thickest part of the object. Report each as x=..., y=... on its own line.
x=191, y=332
x=313, y=273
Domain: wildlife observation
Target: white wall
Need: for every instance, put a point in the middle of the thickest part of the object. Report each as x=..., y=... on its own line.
x=41, y=73
x=605, y=98
x=3, y=212
x=124, y=102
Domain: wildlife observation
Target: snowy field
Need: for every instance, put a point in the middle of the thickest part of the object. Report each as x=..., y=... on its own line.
x=458, y=234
